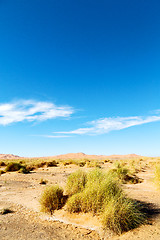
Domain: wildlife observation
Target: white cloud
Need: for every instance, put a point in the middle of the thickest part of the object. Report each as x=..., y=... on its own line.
x=105, y=125
x=31, y=110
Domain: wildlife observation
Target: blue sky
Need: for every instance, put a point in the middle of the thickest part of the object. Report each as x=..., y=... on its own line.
x=79, y=76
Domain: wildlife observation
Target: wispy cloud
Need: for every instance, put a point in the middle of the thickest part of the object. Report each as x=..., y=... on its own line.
x=31, y=110
x=105, y=125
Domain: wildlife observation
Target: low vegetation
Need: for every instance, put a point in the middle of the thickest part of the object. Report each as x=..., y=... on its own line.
x=157, y=176
x=5, y=211
x=122, y=214
x=51, y=199
x=123, y=174
x=76, y=182
x=101, y=194
x=94, y=191
x=43, y=181
x=13, y=166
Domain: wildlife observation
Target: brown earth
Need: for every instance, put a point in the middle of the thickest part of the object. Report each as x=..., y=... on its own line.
x=21, y=192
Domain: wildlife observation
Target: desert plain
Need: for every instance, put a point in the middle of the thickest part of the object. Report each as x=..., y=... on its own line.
x=20, y=194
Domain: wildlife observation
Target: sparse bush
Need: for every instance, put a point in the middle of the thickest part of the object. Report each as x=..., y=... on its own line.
x=93, y=164
x=99, y=190
x=42, y=181
x=51, y=199
x=74, y=203
x=40, y=164
x=121, y=215
x=51, y=164
x=76, y=182
x=23, y=169
x=5, y=211
x=101, y=194
x=122, y=173
x=11, y=167
x=157, y=176
x=95, y=176
x=1, y=172
x=30, y=167
x=2, y=164
x=81, y=163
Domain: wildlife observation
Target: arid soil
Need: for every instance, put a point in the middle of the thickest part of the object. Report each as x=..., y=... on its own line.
x=21, y=192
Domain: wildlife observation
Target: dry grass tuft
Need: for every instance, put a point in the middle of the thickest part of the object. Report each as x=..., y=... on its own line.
x=51, y=199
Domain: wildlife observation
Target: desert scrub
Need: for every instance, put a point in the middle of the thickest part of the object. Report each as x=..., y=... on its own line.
x=11, y=167
x=94, y=197
x=43, y=181
x=95, y=176
x=102, y=195
x=98, y=190
x=5, y=211
x=157, y=176
x=122, y=214
x=2, y=164
x=76, y=182
x=122, y=173
x=1, y=172
x=51, y=199
x=51, y=163
x=93, y=164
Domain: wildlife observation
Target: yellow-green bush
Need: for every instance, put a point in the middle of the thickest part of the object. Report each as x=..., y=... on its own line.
x=101, y=194
x=51, y=199
x=76, y=182
x=93, y=197
x=123, y=174
x=157, y=176
x=122, y=214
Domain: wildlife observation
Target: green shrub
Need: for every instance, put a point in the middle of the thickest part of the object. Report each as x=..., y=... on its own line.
x=101, y=194
x=76, y=182
x=93, y=164
x=99, y=190
x=81, y=163
x=42, y=181
x=51, y=164
x=11, y=167
x=95, y=176
x=51, y=199
x=157, y=176
x=5, y=211
x=74, y=203
x=2, y=164
x=120, y=172
x=1, y=172
x=23, y=170
x=40, y=164
x=121, y=215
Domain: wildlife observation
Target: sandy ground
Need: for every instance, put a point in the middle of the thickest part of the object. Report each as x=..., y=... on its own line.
x=21, y=193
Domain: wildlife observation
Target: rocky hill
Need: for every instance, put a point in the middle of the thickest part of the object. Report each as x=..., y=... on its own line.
x=8, y=156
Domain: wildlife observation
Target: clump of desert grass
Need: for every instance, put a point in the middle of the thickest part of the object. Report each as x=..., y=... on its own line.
x=1, y=172
x=123, y=174
x=43, y=181
x=122, y=214
x=157, y=176
x=78, y=162
x=2, y=164
x=51, y=199
x=4, y=211
x=76, y=182
x=15, y=166
x=101, y=194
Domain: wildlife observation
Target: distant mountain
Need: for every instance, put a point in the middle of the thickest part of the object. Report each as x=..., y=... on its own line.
x=8, y=156
x=99, y=157
x=79, y=155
